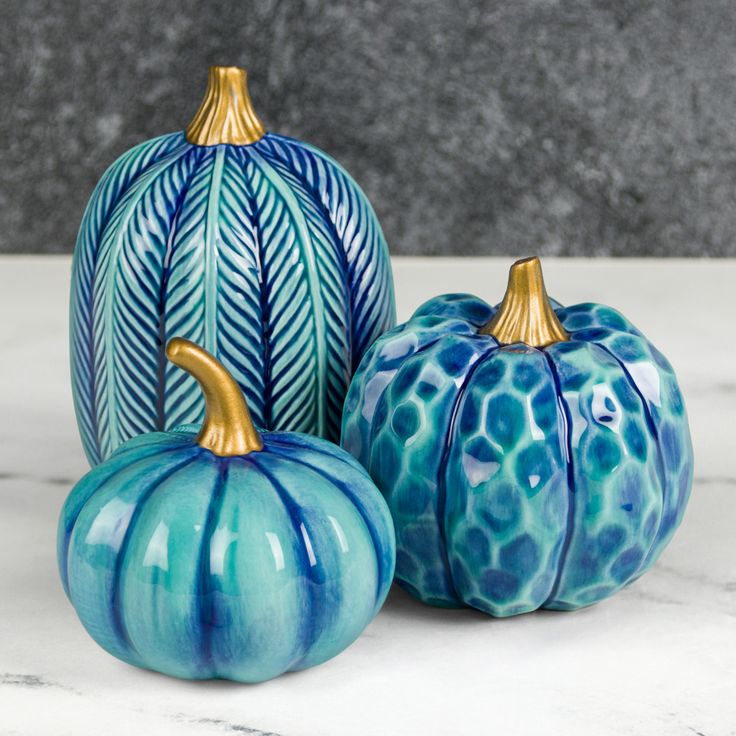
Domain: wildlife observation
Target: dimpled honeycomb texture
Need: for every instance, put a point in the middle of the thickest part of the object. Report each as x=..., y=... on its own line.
x=521, y=478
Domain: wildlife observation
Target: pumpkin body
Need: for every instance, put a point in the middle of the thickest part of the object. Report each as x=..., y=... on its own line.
x=517, y=477
x=268, y=255
x=243, y=567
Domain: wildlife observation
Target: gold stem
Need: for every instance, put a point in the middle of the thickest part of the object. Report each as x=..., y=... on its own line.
x=227, y=428
x=226, y=113
x=525, y=314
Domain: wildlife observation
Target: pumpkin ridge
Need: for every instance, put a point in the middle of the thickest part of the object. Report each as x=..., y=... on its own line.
x=292, y=365
x=110, y=248
x=306, y=248
x=205, y=609
x=373, y=245
x=241, y=337
x=570, y=522
x=211, y=233
x=284, y=443
x=442, y=468
x=330, y=225
x=307, y=624
x=184, y=313
x=661, y=475
x=162, y=291
x=369, y=364
x=112, y=187
x=69, y=524
x=265, y=308
x=136, y=309
x=332, y=268
x=566, y=312
x=355, y=502
x=116, y=607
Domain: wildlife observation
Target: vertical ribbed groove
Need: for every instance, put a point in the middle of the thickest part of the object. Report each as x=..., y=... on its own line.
x=262, y=296
x=312, y=616
x=661, y=474
x=120, y=629
x=442, y=468
x=70, y=524
x=207, y=606
x=110, y=281
x=354, y=500
x=311, y=274
x=211, y=252
x=569, y=525
x=337, y=242
x=161, y=368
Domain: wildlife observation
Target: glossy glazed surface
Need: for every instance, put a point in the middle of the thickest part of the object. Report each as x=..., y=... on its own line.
x=241, y=568
x=268, y=255
x=521, y=478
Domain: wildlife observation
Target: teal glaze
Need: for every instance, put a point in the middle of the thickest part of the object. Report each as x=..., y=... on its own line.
x=200, y=566
x=269, y=255
x=521, y=478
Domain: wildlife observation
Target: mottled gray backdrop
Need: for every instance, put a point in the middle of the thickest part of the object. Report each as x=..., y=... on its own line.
x=583, y=128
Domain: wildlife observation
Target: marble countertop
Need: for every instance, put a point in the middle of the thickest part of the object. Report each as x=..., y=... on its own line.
x=657, y=659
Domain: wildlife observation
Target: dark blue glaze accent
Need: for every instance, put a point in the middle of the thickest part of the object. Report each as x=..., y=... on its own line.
x=267, y=419
x=161, y=342
x=655, y=436
x=442, y=471
x=117, y=611
x=108, y=473
x=567, y=421
x=308, y=185
x=207, y=613
x=312, y=618
x=383, y=581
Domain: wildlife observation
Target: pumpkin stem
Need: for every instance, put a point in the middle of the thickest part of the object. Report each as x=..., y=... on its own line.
x=226, y=113
x=227, y=429
x=526, y=314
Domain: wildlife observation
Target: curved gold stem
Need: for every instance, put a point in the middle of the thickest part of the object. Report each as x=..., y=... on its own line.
x=525, y=314
x=227, y=428
x=226, y=113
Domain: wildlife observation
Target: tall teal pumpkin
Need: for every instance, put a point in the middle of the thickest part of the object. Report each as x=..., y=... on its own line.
x=532, y=455
x=258, y=247
x=229, y=554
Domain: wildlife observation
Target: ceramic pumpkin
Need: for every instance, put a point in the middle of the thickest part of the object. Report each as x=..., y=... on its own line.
x=229, y=553
x=258, y=247
x=532, y=455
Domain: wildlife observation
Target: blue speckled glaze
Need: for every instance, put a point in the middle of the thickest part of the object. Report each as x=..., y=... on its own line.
x=241, y=568
x=268, y=255
x=521, y=478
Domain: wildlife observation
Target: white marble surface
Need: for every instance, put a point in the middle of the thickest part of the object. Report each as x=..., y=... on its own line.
x=659, y=658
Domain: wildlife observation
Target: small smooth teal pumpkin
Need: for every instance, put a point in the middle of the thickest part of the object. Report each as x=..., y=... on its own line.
x=532, y=455
x=228, y=554
x=258, y=247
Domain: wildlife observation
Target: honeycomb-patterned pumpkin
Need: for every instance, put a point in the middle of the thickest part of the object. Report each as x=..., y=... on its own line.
x=532, y=456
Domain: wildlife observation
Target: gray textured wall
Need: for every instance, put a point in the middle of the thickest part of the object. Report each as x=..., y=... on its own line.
x=581, y=128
